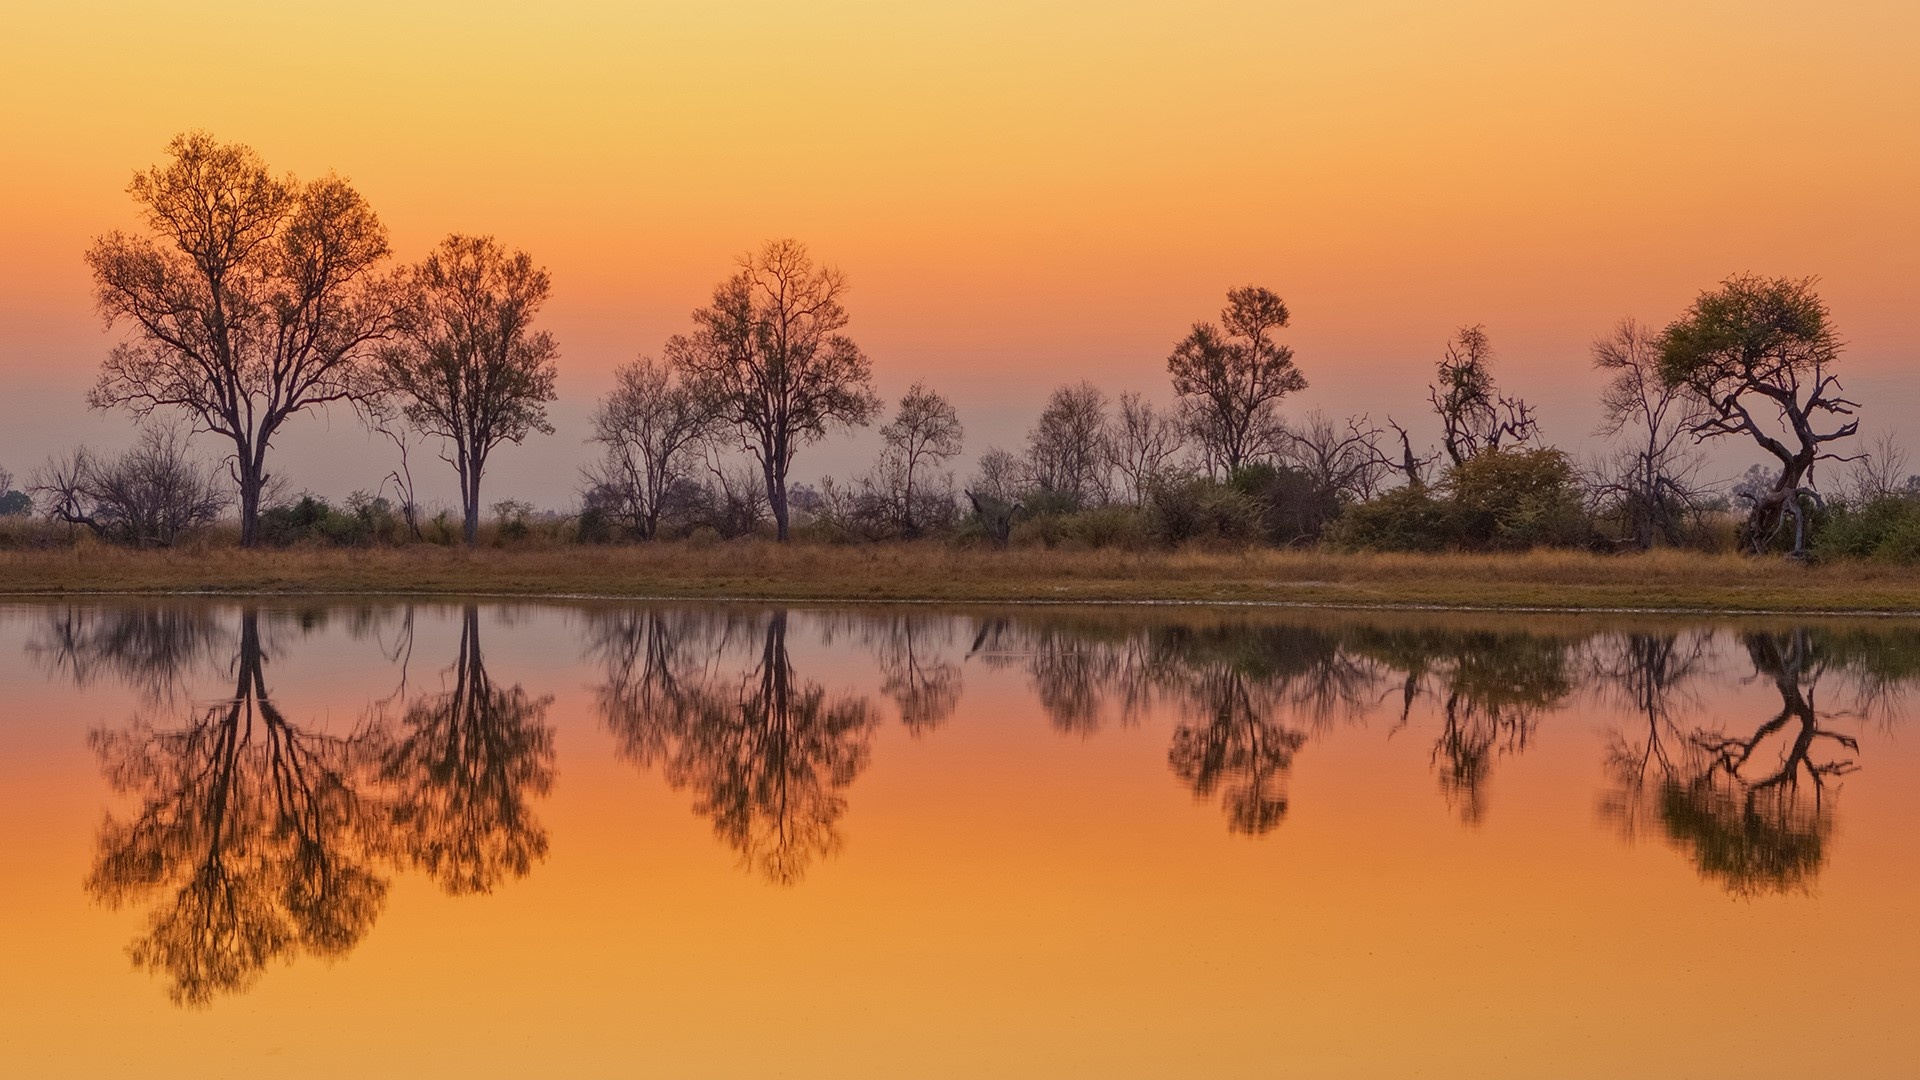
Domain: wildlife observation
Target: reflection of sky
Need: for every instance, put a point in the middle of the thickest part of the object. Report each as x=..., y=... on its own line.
x=1038, y=902
x=1020, y=195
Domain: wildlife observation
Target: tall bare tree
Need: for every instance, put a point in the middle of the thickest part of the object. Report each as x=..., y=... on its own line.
x=925, y=434
x=769, y=356
x=1475, y=417
x=1652, y=475
x=1764, y=344
x=251, y=298
x=651, y=425
x=1142, y=443
x=1066, y=450
x=1231, y=378
x=467, y=365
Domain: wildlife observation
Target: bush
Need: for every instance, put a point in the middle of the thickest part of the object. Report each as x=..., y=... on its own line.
x=312, y=520
x=1202, y=510
x=1512, y=500
x=1409, y=518
x=1292, y=508
x=1112, y=526
x=1886, y=528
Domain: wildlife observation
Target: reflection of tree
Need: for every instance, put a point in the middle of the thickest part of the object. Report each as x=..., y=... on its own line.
x=767, y=754
x=464, y=763
x=1493, y=687
x=1235, y=688
x=924, y=687
x=149, y=648
x=252, y=830
x=1750, y=808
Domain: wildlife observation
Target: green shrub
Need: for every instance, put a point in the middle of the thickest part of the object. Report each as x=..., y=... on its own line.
x=1512, y=500
x=1114, y=526
x=1292, y=508
x=1885, y=528
x=1202, y=510
x=1409, y=518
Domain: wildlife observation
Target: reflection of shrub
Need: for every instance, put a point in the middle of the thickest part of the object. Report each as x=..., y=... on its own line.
x=1887, y=527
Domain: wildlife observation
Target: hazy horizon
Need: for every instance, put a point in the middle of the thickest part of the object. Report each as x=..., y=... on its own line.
x=1020, y=199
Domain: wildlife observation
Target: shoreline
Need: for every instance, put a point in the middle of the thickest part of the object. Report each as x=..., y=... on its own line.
x=1659, y=583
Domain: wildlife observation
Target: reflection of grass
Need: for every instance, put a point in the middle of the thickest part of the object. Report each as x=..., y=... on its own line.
x=1665, y=580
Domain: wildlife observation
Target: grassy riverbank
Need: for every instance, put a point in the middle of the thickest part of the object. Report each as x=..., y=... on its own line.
x=753, y=569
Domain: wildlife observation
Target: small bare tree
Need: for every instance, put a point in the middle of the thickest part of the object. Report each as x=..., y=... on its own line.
x=1142, y=443
x=651, y=426
x=1766, y=344
x=1653, y=474
x=1231, y=378
x=149, y=496
x=925, y=434
x=253, y=298
x=1879, y=472
x=769, y=357
x=1066, y=450
x=12, y=503
x=467, y=366
x=1343, y=461
x=997, y=491
x=1475, y=417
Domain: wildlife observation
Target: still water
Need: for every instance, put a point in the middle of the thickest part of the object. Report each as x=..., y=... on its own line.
x=615, y=840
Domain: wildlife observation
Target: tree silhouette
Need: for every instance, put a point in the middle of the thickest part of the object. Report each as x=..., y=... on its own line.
x=1492, y=686
x=767, y=754
x=465, y=764
x=251, y=834
x=1750, y=808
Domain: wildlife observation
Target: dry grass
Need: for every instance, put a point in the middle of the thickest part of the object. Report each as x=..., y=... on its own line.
x=758, y=569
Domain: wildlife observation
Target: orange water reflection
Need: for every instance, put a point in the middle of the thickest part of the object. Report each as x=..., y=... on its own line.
x=736, y=841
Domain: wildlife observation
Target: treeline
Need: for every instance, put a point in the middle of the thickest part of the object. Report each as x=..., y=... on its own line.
x=251, y=298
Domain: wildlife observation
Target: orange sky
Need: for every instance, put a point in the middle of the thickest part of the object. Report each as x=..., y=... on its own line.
x=1020, y=195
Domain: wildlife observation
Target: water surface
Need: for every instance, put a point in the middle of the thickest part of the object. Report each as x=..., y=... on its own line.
x=616, y=840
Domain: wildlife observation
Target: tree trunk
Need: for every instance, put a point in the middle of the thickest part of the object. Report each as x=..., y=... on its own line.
x=777, y=497
x=251, y=483
x=470, y=503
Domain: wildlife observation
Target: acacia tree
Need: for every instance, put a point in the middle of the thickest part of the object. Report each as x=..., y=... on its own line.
x=769, y=358
x=1475, y=417
x=1652, y=476
x=924, y=434
x=1763, y=343
x=651, y=424
x=467, y=365
x=1231, y=378
x=251, y=297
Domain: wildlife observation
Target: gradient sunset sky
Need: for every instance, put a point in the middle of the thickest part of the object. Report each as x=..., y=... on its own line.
x=1021, y=194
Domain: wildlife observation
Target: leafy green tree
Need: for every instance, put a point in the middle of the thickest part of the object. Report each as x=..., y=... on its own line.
x=1757, y=352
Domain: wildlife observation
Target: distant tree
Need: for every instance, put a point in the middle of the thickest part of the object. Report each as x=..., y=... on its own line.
x=13, y=503
x=925, y=434
x=252, y=298
x=651, y=426
x=1764, y=343
x=769, y=357
x=1231, y=378
x=1343, y=461
x=996, y=492
x=1142, y=442
x=149, y=496
x=467, y=366
x=1652, y=476
x=1066, y=450
x=1475, y=417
